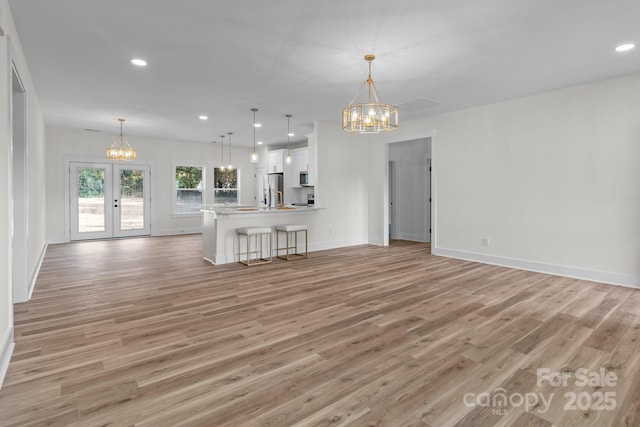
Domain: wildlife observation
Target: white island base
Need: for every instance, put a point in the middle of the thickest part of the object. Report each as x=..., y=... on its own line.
x=219, y=227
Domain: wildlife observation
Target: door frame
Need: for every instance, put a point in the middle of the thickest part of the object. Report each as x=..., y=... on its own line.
x=83, y=159
x=396, y=170
x=428, y=134
x=392, y=199
x=21, y=288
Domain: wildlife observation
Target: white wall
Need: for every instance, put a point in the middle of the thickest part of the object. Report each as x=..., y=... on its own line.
x=411, y=204
x=6, y=306
x=10, y=48
x=551, y=179
x=36, y=191
x=67, y=144
x=340, y=161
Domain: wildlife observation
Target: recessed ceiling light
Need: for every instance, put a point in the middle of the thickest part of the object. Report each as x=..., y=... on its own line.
x=625, y=47
x=258, y=125
x=139, y=62
x=259, y=143
x=291, y=134
x=203, y=117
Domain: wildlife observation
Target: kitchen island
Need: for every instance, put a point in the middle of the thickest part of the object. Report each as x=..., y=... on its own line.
x=219, y=225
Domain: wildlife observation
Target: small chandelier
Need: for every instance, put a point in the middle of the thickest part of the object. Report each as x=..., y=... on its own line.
x=369, y=117
x=123, y=151
x=254, y=155
x=289, y=134
x=230, y=167
x=221, y=153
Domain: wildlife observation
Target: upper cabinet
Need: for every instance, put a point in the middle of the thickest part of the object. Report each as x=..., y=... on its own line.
x=303, y=159
x=311, y=160
x=275, y=161
x=299, y=163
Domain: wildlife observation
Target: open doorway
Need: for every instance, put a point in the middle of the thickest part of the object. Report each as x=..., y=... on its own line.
x=410, y=190
x=20, y=284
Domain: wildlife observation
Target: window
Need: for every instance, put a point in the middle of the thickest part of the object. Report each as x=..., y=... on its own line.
x=225, y=186
x=189, y=187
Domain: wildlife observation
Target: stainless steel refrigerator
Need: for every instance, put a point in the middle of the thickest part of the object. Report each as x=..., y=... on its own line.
x=271, y=185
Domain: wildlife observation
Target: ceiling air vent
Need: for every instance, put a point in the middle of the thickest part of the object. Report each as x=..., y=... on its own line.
x=418, y=107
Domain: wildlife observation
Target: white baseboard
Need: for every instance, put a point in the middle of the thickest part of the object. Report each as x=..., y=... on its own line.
x=541, y=267
x=334, y=244
x=376, y=242
x=36, y=271
x=221, y=259
x=413, y=237
x=56, y=240
x=176, y=231
x=5, y=354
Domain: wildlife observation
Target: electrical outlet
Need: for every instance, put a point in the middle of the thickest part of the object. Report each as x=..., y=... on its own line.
x=485, y=241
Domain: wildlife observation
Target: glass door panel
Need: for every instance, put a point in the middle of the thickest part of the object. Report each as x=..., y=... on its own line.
x=131, y=207
x=90, y=207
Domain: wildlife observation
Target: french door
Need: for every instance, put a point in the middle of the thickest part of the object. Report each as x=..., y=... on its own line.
x=108, y=200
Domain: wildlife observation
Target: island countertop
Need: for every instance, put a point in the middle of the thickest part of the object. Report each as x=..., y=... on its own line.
x=219, y=224
x=247, y=210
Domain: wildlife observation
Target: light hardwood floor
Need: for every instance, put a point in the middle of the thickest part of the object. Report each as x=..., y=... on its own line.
x=145, y=332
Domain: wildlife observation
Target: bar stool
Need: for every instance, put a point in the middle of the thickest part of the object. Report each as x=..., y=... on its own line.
x=289, y=230
x=258, y=233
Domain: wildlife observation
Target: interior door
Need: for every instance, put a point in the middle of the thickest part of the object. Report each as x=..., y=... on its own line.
x=109, y=200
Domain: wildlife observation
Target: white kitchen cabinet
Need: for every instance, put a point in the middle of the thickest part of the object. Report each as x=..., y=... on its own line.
x=275, y=161
x=304, y=159
x=311, y=159
x=299, y=163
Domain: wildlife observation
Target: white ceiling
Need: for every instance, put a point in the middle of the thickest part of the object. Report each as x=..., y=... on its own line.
x=221, y=58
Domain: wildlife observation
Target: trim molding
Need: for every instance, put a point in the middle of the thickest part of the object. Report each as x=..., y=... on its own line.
x=36, y=271
x=5, y=354
x=375, y=241
x=175, y=231
x=56, y=240
x=334, y=244
x=413, y=237
x=541, y=267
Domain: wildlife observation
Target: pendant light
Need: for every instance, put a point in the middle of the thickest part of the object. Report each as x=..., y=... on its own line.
x=289, y=134
x=230, y=167
x=221, y=153
x=254, y=155
x=122, y=151
x=371, y=116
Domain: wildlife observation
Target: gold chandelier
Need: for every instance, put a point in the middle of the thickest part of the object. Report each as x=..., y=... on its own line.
x=123, y=151
x=369, y=117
